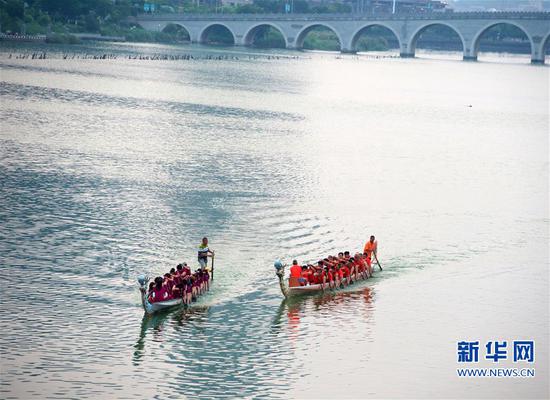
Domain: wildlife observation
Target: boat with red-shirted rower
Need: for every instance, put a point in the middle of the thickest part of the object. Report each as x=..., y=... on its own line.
x=291, y=286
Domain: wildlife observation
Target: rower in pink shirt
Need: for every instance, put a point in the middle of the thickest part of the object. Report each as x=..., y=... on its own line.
x=159, y=292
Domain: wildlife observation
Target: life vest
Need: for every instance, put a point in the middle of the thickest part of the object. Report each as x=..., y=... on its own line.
x=202, y=252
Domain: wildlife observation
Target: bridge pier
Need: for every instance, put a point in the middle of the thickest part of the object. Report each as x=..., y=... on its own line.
x=406, y=55
x=539, y=49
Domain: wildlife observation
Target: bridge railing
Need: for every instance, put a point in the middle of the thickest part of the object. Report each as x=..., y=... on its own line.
x=347, y=16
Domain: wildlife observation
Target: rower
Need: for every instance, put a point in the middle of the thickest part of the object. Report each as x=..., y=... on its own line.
x=345, y=273
x=159, y=291
x=339, y=274
x=361, y=265
x=169, y=284
x=204, y=252
x=308, y=274
x=330, y=278
x=175, y=276
x=186, y=270
x=188, y=282
x=354, y=267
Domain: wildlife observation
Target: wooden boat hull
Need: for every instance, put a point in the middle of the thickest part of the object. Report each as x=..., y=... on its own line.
x=297, y=290
x=151, y=308
x=288, y=290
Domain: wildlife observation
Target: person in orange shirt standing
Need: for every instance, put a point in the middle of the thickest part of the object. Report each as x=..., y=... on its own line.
x=371, y=248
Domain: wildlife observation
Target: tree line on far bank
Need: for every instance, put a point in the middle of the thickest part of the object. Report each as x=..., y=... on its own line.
x=109, y=17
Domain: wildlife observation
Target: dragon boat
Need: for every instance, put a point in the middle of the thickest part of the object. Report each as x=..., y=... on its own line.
x=151, y=308
x=291, y=287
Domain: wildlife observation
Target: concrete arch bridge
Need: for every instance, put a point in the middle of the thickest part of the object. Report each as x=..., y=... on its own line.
x=407, y=29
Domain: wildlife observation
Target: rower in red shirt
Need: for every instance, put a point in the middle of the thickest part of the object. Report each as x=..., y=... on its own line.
x=330, y=277
x=339, y=274
x=361, y=265
x=358, y=265
x=317, y=273
x=368, y=261
x=309, y=275
x=352, y=269
x=345, y=273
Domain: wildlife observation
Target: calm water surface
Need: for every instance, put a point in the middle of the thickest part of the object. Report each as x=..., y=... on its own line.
x=113, y=168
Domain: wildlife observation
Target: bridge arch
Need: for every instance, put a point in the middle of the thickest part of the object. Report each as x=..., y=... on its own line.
x=253, y=31
x=178, y=29
x=479, y=34
x=357, y=34
x=207, y=30
x=136, y=25
x=411, y=47
x=299, y=42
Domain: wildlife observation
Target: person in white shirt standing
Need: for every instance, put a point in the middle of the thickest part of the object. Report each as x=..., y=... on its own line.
x=204, y=252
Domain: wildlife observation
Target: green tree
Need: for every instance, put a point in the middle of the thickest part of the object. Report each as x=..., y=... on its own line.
x=91, y=22
x=15, y=8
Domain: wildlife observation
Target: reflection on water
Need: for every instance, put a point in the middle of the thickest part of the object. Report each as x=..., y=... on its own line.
x=113, y=168
x=153, y=325
x=327, y=305
x=317, y=304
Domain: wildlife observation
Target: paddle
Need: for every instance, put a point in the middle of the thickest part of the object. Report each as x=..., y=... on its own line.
x=213, y=266
x=377, y=262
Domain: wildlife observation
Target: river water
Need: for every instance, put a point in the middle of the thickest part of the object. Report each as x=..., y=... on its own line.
x=112, y=168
